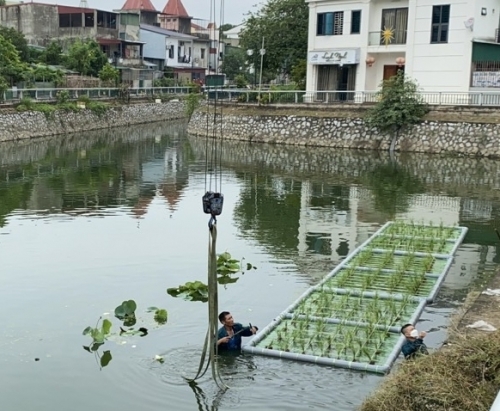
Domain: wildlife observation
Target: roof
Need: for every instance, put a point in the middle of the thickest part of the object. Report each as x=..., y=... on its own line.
x=145, y=5
x=168, y=33
x=175, y=8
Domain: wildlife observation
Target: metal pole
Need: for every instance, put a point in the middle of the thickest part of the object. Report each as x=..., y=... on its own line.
x=262, y=52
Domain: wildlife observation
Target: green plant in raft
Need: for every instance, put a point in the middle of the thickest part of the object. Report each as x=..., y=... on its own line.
x=428, y=263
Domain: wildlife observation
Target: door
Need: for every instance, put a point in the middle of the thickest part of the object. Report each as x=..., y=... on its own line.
x=390, y=71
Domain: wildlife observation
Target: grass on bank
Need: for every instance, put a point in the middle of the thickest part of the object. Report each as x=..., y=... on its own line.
x=96, y=107
x=462, y=376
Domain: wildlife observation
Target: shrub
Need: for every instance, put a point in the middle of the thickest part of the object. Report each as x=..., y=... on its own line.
x=97, y=107
x=84, y=99
x=63, y=96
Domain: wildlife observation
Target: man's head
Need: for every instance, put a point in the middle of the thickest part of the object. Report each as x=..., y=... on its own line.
x=406, y=330
x=226, y=318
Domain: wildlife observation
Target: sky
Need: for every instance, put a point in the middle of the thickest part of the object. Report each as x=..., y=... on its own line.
x=234, y=10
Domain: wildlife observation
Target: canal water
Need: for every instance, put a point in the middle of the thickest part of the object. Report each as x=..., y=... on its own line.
x=89, y=221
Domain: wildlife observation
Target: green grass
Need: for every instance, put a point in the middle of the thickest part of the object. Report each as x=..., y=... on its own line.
x=341, y=342
x=427, y=245
x=420, y=230
x=390, y=261
x=392, y=282
x=379, y=311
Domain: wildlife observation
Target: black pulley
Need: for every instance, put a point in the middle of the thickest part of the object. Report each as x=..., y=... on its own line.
x=212, y=203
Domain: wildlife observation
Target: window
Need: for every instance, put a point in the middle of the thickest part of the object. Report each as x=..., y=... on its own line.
x=397, y=21
x=70, y=20
x=440, y=23
x=202, y=55
x=355, y=21
x=330, y=24
x=170, y=51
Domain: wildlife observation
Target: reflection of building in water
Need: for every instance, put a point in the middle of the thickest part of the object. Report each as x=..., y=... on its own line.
x=166, y=177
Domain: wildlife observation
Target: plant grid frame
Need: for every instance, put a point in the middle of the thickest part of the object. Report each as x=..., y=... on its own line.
x=425, y=247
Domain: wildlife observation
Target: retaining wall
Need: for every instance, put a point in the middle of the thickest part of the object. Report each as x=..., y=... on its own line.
x=346, y=129
x=31, y=124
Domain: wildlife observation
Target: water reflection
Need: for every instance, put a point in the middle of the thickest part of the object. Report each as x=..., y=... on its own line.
x=95, y=219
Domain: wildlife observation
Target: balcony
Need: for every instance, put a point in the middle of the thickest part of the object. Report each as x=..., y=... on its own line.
x=387, y=38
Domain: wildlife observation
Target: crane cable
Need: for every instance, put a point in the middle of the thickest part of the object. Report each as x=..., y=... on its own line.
x=212, y=204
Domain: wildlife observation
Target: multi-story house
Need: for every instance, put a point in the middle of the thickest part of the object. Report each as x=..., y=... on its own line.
x=182, y=53
x=445, y=45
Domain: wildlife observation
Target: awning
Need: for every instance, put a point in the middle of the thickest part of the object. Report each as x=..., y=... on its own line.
x=133, y=41
x=485, y=51
x=149, y=64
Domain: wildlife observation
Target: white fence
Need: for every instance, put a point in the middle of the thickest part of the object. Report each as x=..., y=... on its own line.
x=471, y=98
x=48, y=94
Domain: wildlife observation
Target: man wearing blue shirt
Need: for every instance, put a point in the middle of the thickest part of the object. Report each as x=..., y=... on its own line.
x=229, y=335
x=414, y=343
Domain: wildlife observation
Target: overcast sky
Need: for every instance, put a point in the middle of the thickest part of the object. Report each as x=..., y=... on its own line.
x=234, y=10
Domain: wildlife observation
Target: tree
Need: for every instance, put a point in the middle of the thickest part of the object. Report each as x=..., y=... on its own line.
x=86, y=57
x=234, y=62
x=108, y=73
x=18, y=40
x=12, y=69
x=399, y=106
x=226, y=27
x=53, y=54
x=284, y=26
x=299, y=73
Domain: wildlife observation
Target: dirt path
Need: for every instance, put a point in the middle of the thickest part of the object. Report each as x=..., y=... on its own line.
x=479, y=307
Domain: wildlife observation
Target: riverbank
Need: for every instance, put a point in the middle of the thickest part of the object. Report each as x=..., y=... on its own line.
x=446, y=130
x=16, y=125
x=464, y=374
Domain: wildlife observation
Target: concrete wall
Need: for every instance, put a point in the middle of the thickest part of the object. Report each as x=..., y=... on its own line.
x=38, y=22
x=26, y=125
x=321, y=129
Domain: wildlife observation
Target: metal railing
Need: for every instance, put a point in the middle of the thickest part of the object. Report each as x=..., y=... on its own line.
x=471, y=98
x=47, y=94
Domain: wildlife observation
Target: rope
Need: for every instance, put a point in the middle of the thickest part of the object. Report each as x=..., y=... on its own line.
x=212, y=204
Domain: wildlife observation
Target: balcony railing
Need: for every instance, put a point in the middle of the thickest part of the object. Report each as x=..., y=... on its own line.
x=379, y=38
x=184, y=59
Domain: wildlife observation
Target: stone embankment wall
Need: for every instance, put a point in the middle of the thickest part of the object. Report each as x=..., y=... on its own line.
x=31, y=124
x=342, y=129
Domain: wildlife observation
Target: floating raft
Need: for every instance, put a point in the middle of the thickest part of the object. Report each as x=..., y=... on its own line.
x=352, y=318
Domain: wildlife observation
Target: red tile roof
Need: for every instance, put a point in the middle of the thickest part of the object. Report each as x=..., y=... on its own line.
x=145, y=5
x=175, y=8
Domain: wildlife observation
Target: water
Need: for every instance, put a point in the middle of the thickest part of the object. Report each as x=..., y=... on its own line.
x=91, y=220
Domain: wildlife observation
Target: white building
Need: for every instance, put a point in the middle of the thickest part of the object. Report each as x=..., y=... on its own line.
x=185, y=55
x=446, y=46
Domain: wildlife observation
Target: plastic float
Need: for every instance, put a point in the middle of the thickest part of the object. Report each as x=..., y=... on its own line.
x=352, y=318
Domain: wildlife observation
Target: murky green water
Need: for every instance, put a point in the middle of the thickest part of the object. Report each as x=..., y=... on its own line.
x=88, y=221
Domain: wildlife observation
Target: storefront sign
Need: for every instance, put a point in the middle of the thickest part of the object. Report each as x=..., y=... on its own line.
x=336, y=56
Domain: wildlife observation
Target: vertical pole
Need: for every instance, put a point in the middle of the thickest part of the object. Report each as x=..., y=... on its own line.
x=261, y=65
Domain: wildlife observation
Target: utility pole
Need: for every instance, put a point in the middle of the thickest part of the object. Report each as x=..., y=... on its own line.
x=262, y=52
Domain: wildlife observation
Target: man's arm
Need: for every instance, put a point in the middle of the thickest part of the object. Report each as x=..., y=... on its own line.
x=246, y=331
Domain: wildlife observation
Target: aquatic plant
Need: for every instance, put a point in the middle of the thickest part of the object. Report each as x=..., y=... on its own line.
x=227, y=267
x=126, y=312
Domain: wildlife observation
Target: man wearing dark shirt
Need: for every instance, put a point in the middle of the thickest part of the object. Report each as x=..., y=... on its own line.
x=414, y=344
x=229, y=335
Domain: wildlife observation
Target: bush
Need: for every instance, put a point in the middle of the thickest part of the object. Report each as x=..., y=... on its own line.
x=462, y=376
x=97, y=107
x=27, y=104
x=84, y=99
x=68, y=107
x=63, y=96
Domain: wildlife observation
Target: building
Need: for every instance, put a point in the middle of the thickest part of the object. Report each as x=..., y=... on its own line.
x=184, y=54
x=42, y=23
x=445, y=47
x=232, y=36
x=144, y=9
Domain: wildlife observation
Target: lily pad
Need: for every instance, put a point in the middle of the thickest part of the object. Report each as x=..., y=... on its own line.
x=106, y=358
x=161, y=316
x=126, y=310
x=191, y=291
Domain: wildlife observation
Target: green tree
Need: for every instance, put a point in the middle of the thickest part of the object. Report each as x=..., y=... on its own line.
x=234, y=62
x=284, y=25
x=399, y=106
x=18, y=40
x=108, y=73
x=226, y=27
x=12, y=69
x=298, y=75
x=53, y=54
x=86, y=57
x=2, y=3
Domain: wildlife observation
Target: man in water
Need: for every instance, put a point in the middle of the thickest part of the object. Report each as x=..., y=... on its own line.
x=414, y=344
x=229, y=335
